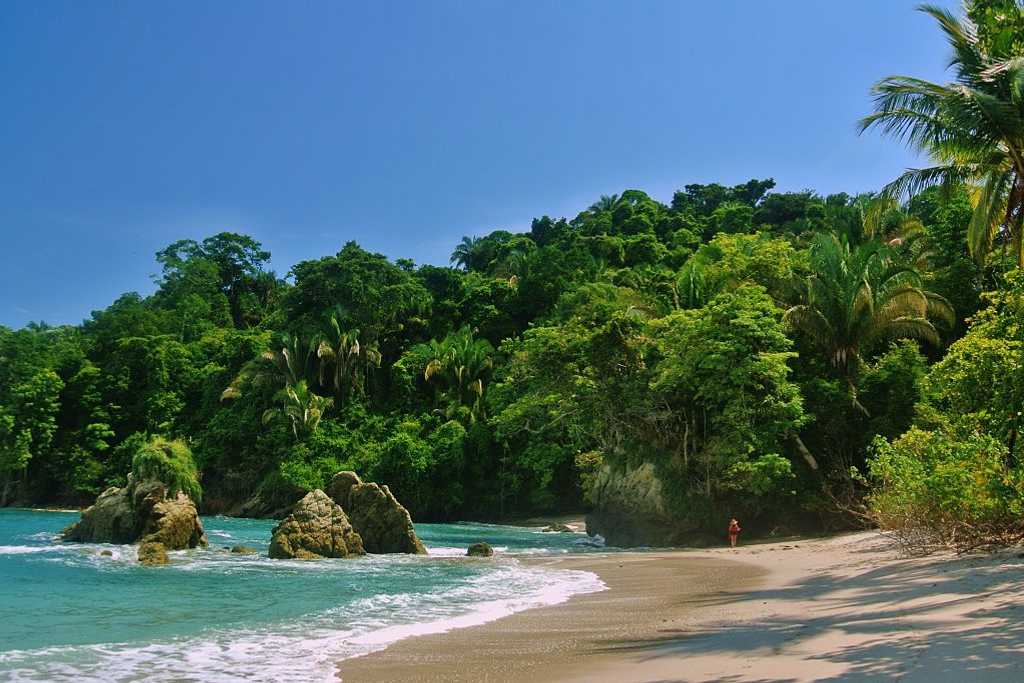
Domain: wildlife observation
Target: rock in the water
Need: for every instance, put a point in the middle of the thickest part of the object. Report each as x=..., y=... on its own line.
x=110, y=519
x=317, y=528
x=152, y=553
x=141, y=511
x=480, y=549
x=384, y=525
x=340, y=486
x=559, y=528
x=243, y=550
x=106, y=553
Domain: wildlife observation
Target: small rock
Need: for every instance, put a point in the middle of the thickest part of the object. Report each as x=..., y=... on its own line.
x=106, y=553
x=152, y=553
x=480, y=549
x=243, y=550
x=559, y=528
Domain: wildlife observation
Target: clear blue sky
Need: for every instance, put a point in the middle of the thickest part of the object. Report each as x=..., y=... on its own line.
x=128, y=125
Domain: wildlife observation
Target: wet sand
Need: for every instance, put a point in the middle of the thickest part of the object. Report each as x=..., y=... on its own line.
x=650, y=595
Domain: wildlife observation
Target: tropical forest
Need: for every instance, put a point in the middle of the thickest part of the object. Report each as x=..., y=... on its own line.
x=804, y=362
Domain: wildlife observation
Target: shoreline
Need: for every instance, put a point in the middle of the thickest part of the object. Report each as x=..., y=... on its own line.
x=841, y=608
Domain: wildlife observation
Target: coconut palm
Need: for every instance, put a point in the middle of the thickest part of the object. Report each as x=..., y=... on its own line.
x=882, y=217
x=607, y=202
x=857, y=298
x=467, y=253
x=348, y=358
x=301, y=406
x=972, y=128
x=292, y=363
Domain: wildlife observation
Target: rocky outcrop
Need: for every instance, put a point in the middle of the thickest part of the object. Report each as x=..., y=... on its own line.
x=480, y=549
x=140, y=512
x=340, y=487
x=111, y=519
x=152, y=553
x=630, y=509
x=558, y=528
x=376, y=515
x=316, y=528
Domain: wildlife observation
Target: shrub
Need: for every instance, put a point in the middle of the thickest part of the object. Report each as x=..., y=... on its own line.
x=941, y=489
x=169, y=462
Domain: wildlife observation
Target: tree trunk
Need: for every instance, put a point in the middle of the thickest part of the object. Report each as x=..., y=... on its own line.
x=806, y=454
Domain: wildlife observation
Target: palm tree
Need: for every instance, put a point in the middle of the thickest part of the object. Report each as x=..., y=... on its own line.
x=607, y=202
x=857, y=297
x=350, y=358
x=466, y=253
x=903, y=233
x=302, y=407
x=973, y=129
x=461, y=365
x=291, y=364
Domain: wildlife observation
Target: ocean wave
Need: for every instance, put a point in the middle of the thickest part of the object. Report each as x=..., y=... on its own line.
x=309, y=648
x=25, y=549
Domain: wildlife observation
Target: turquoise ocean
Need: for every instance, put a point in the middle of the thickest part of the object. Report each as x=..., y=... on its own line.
x=69, y=613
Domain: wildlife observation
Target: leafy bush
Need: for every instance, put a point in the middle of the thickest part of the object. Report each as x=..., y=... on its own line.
x=940, y=489
x=169, y=462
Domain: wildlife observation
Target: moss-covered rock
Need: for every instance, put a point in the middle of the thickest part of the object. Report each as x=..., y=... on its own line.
x=141, y=511
x=317, y=528
x=157, y=505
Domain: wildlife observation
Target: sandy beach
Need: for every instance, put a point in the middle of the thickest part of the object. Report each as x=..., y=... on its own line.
x=844, y=608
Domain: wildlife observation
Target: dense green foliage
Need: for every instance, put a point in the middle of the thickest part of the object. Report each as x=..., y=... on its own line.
x=636, y=332
x=755, y=347
x=955, y=479
x=169, y=462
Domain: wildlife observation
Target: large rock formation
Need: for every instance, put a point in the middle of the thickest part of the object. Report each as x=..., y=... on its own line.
x=111, y=519
x=317, y=528
x=380, y=520
x=143, y=512
x=630, y=509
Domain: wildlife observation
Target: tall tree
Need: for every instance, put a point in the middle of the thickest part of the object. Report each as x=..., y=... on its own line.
x=857, y=298
x=345, y=359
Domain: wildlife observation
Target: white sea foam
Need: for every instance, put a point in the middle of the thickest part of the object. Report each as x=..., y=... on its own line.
x=25, y=549
x=307, y=648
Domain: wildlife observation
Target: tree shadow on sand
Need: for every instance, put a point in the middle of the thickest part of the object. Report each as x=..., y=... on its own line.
x=880, y=617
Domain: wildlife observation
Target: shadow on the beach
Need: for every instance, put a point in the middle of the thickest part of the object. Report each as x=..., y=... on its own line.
x=878, y=611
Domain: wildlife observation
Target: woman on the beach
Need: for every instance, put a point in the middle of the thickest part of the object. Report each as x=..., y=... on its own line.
x=734, y=531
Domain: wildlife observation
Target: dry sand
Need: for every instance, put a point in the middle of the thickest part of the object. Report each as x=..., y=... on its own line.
x=845, y=608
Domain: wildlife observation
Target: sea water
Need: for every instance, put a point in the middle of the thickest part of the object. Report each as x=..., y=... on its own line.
x=69, y=613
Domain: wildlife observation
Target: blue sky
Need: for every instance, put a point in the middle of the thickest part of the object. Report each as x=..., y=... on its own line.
x=403, y=126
